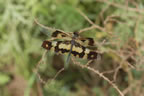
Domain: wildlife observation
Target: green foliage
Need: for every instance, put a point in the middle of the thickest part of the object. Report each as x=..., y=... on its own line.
x=21, y=39
x=56, y=89
x=4, y=79
x=98, y=91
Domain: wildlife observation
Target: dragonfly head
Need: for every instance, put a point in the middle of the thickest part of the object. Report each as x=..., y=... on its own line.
x=75, y=35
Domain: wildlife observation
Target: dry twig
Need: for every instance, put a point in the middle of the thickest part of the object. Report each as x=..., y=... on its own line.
x=93, y=24
x=37, y=67
x=100, y=74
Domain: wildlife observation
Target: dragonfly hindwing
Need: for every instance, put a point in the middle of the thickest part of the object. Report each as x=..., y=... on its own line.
x=63, y=47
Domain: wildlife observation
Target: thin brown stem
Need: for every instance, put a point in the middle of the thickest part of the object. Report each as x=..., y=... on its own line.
x=43, y=26
x=92, y=23
x=100, y=74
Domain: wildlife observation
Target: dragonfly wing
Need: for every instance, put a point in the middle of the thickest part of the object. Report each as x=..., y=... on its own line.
x=63, y=47
x=60, y=35
x=86, y=41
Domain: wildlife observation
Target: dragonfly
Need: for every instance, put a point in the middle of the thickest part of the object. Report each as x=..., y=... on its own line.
x=71, y=44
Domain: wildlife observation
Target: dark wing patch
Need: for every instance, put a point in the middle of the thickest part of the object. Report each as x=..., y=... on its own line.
x=87, y=41
x=47, y=45
x=92, y=55
x=90, y=41
x=59, y=34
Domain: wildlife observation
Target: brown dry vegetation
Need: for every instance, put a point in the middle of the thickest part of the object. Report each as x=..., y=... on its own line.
x=117, y=27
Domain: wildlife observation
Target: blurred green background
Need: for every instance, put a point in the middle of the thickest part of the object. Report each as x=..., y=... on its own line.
x=21, y=39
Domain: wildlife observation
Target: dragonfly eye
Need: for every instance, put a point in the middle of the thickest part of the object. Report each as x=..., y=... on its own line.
x=75, y=34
